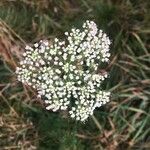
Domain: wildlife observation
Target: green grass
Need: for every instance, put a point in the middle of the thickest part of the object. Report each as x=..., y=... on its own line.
x=122, y=124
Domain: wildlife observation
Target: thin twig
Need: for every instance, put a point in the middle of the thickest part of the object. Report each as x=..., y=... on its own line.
x=97, y=123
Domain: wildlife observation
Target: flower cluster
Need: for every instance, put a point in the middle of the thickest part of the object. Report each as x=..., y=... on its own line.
x=65, y=73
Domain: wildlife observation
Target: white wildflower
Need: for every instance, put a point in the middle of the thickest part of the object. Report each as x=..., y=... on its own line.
x=65, y=73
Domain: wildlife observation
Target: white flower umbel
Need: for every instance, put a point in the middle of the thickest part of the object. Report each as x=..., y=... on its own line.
x=65, y=73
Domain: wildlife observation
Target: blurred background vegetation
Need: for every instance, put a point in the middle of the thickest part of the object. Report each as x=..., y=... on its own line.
x=122, y=124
